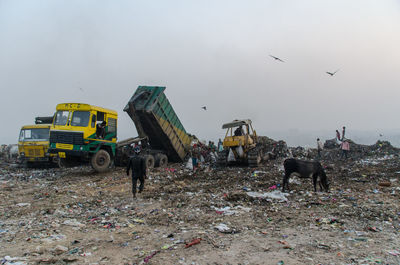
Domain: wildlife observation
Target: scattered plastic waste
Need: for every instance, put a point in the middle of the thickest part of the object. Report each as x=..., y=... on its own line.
x=274, y=195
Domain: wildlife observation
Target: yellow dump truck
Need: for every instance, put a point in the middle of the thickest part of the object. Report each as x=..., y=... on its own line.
x=84, y=133
x=33, y=144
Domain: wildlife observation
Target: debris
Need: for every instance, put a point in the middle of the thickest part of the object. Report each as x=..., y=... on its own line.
x=223, y=228
x=73, y=222
x=285, y=244
x=149, y=257
x=195, y=241
x=394, y=253
x=23, y=204
x=58, y=250
x=275, y=195
x=385, y=184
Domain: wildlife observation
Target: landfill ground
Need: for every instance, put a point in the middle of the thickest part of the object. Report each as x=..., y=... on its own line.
x=77, y=216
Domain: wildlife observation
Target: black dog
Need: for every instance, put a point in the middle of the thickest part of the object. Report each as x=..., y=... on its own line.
x=305, y=169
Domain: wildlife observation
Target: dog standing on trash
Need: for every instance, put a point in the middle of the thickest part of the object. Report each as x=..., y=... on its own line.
x=139, y=168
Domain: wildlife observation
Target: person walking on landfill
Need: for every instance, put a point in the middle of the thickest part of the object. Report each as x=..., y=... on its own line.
x=343, y=132
x=337, y=136
x=138, y=165
x=345, y=146
x=319, y=147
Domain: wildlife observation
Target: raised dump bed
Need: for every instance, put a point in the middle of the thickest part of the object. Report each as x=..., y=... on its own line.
x=155, y=119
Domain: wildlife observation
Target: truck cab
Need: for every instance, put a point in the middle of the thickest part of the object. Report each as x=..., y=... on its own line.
x=83, y=133
x=33, y=144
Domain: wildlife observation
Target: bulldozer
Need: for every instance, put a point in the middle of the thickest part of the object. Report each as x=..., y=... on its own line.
x=240, y=145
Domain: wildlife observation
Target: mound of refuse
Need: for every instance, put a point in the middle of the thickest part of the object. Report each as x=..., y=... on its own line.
x=358, y=151
x=273, y=148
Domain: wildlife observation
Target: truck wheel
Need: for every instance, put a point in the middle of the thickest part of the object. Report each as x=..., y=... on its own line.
x=101, y=161
x=161, y=160
x=149, y=160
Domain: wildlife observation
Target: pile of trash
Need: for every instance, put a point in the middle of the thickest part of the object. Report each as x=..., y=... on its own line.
x=8, y=153
x=273, y=149
x=358, y=151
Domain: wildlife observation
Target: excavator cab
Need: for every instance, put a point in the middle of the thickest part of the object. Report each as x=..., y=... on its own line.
x=240, y=144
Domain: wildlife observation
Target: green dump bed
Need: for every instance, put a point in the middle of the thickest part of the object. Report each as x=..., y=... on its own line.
x=155, y=118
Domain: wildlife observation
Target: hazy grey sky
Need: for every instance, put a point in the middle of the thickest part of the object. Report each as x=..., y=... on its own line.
x=213, y=53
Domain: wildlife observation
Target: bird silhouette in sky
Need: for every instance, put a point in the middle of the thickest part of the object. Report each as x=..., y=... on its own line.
x=276, y=58
x=380, y=135
x=204, y=108
x=81, y=89
x=332, y=74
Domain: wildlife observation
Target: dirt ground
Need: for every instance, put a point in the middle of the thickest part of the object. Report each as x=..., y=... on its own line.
x=76, y=216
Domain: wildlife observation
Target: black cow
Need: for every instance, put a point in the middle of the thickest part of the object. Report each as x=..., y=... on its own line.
x=305, y=169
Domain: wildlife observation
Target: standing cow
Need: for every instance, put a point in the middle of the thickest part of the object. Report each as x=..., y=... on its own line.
x=305, y=169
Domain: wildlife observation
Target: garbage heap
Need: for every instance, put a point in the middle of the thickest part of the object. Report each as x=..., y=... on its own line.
x=273, y=149
x=359, y=151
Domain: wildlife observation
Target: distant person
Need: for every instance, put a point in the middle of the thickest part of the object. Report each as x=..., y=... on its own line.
x=195, y=157
x=345, y=146
x=319, y=147
x=343, y=132
x=138, y=165
x=220, y=145
x=337, y=136
x=101, y=130
x=238, y=131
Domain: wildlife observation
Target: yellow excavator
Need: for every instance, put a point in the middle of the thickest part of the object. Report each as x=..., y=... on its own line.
x=240, y=144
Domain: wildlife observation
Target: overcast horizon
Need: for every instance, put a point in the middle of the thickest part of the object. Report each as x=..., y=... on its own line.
x=207, y=53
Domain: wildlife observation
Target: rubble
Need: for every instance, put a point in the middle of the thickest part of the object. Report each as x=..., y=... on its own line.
x=77, y=216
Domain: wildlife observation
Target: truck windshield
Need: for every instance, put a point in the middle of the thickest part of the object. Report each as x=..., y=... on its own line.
x=80, y=118
x=39, y=134
x=61, y=117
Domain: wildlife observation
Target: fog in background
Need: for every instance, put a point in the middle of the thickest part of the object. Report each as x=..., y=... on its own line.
x=208, y=53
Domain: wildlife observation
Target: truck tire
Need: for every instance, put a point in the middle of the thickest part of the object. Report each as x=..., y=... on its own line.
x=222, y=159
x=101, y=161
x=149, y=160
x=254, y=157
x=161, y=160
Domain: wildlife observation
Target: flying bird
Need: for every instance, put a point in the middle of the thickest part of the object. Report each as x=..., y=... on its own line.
x=204, y=108
x=276, y=58
x=380, y=135
x=329, y=73
x=81, y=89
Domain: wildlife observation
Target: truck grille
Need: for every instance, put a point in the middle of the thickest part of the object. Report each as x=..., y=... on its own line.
x=66, y=137
x=34, y=152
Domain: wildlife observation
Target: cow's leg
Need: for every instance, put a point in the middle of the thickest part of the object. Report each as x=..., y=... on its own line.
x=320, y=183
x=285, y=181
x=314, y=178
